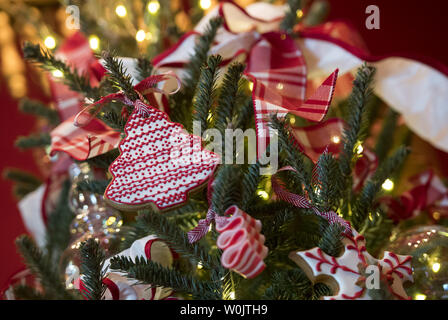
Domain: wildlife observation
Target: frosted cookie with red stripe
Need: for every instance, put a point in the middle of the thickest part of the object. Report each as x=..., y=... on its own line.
x=158, y=165
x=242, y=243
x=355, y=275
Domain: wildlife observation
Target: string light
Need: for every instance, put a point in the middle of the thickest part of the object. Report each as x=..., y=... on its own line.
x=292, y=120
x=57, y=74
x=200, y=266
x=336, y=139
x=205, y=4
x=263, y=194
x=140, y=35
x=388, y=185
x=299, y=13
x=94, y=42
x=121, y=11
x=280, y=86
x=436, y=267
x=153, y=7
x=50, y=42
x=420, y=296
x=232, y=295
x=251, y=86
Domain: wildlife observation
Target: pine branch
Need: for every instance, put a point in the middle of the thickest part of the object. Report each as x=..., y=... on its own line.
x=119, y=76
x=103, y=161
x=42, y=268
x=206, y=91
x=153, y=273
x=39, y=140
x=289, y=285
x=250, y=183
x=328, y=191
x=176, y=238
x=92, y=262
x=114, y=120
x=132, y=233
x=331, y=241
x=291, y=18
x=356, y=124
x=364, y=205
x=385, y=139
x=46, y=60
x=144, y=68
x=58, y=225
x=245, y=115
x=24, y=292
x=39, y=109
x=227, y=97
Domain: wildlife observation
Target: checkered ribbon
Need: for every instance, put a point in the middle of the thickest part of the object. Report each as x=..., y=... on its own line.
x=302, y=202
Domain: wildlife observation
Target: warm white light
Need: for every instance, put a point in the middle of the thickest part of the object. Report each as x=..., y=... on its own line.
x=436, y=267
x=57, y=74
x=140, y=36
x=388, y=185
x=50, y=42
x=360, y=149
x=280, y=86
x=263, y=194
x=420, y=296
x=299, y=13
x=121, y=11
x=336, y=139
x=251, y=86
x=94, y=42
x=153, y=7
x=232, y=295
x=200, y=265
x=292, y=120
x=205, y=4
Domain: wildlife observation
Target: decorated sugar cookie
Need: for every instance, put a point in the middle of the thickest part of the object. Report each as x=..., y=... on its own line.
x=159, y=163
x=345, y=275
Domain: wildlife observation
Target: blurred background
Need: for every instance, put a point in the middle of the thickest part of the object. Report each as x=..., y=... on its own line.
x=411, y=28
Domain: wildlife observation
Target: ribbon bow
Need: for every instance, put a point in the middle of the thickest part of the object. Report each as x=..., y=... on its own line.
x=203, y=226
x=145, y=89
x=302, y=202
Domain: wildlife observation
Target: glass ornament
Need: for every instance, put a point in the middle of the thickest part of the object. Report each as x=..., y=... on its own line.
x=428, y=246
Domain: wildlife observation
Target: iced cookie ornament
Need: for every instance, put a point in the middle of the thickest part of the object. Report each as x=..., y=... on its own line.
x=345, y=275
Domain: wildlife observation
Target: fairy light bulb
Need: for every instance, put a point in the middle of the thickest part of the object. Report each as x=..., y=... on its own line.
x=292, y=120
x=50, y=42
x=121, y=11
x=153, y=6
x=388, y=185
x=94, y=42
x=232, y=295
x=205, y=4
x=359, y=149
x=251, y=86
x=420, y=296
x=140, y=35
x=299, y=13
x=200, y=266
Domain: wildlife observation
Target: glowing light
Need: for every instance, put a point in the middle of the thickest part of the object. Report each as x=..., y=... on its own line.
x=420, y=296
x=436, y=267
x=299, y=13
x=232, y=295
x=436, y=215
x=50, y=42
x=121, y=11
x=263, y=194
x=153, y=7
x=94, y=42
x=140, y=35
x=205, y=4
x=111, y=221
x=388, y=185
x=57, y=74
x=251, y=86
x=360, y=149
x=200, y=266
x=336, y=139
x=292, y=120
x=280, y=86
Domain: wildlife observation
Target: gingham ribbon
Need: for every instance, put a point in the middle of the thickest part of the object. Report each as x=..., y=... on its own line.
x=147, y=87
x=302, y=202
x=198, y=232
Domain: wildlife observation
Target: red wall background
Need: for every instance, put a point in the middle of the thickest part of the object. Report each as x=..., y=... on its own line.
x=410, y=27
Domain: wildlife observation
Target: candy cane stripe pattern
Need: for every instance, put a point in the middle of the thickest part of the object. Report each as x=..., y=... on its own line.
x=242, y=243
